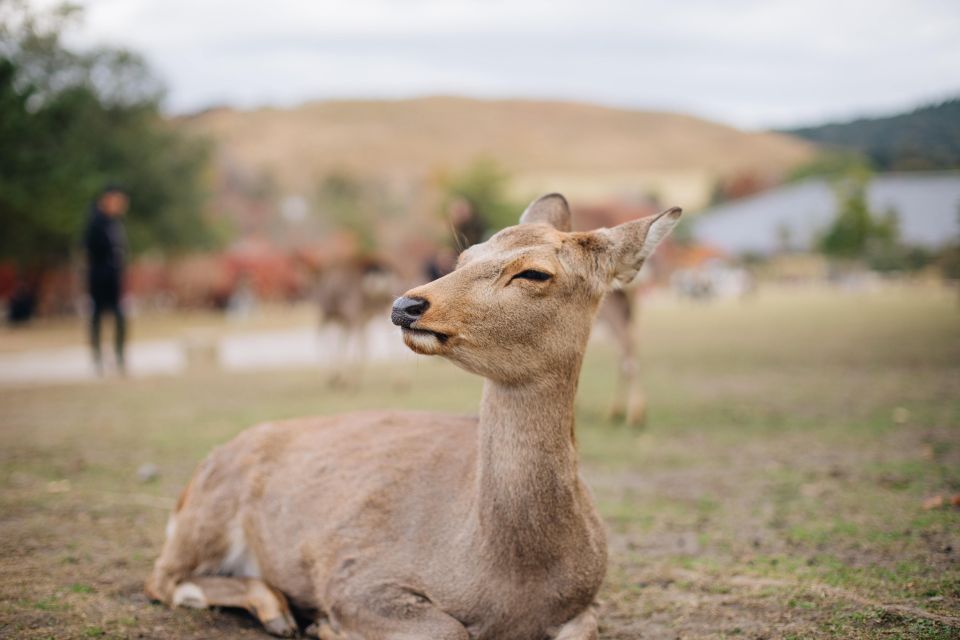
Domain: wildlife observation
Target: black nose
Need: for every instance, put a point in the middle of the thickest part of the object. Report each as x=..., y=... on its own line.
x=406, y=311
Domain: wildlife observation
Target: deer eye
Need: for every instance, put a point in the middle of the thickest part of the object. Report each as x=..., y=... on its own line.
x=532, y=274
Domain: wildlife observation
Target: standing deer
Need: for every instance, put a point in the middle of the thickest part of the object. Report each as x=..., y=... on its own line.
x=618, y=312
x=350, y=293
x=390, y=525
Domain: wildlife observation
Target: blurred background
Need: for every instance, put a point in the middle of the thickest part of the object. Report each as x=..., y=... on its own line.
x=785, y=461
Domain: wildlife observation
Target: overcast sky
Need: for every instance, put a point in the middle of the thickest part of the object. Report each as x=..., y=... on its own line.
x=751, y=63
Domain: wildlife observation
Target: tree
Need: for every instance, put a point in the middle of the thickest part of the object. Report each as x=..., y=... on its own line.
x=483, y=186
x=832, y=164
x=927, y=138
x=362, y=207
x=855, y=233
x=70, y=122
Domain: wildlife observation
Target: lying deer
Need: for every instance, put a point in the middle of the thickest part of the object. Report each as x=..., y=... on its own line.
x=397, y=525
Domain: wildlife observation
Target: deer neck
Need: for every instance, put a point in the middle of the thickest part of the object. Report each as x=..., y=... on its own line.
x=528, y=492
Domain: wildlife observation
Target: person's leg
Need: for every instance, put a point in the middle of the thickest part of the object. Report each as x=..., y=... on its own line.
x=119, y=335
x=95, y=316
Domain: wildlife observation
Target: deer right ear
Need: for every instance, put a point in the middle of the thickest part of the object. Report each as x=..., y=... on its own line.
x=550, y=209
x=633, y=242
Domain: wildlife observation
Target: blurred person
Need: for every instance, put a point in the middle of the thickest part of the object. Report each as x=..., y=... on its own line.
x=23, y=303
x=105, y=244
x=441, y=263
x=467, y=229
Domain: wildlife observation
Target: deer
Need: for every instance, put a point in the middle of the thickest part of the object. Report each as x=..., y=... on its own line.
x=394, y=525
x=619, y=312
x=349, y=294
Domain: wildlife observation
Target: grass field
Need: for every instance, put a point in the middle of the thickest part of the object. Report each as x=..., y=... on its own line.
x=777, y=492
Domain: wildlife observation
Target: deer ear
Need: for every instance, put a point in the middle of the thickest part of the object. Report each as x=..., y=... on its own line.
x=551, y=209
x=633, y=242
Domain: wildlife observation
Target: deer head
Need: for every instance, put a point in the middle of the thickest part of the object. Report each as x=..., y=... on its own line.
x=520, y=305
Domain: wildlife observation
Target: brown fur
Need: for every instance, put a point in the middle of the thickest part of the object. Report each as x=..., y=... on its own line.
x=405, y=525
x=618, y=313
x=349, y=294
x=352, y=292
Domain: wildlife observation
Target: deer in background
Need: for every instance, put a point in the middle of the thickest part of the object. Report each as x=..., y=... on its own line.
x=350, y=293
x=390, y=525
x=619, y=313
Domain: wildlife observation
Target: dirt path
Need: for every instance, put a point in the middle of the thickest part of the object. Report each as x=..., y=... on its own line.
x=234, y=352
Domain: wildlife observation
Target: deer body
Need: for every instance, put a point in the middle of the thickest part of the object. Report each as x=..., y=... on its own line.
x=402, y=525
x=349, y=294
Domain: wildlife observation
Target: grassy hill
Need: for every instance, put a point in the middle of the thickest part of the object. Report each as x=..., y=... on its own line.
x=925, y=138
x=582, y=149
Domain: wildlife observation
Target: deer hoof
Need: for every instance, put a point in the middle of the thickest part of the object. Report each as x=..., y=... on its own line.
x=637, y=416
x=637, y=420
x=321, y=629
x=615, y=413
x=282, y=626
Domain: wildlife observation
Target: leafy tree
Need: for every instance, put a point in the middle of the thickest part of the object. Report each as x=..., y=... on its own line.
x=949, y=259
x=949, y=262
x=70, y=122
x=855, y=233
x=483, y=185
x=923, y=139
x=358, y=206
x=831, y=164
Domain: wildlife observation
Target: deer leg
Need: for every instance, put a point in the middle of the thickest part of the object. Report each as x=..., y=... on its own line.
x=583, y=627
x=349, y=379
x=339, y=357
x=629, y=401
x=256, y=596
x=616, y=313
x=322, y=630
x=636, y=414
x=173, y=581
x=618, y=405
x=361, y=360
x=388, y=612
x=636, y=402
x=637, y=408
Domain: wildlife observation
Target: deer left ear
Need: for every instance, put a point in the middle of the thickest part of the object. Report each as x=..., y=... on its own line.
x=550, y=209
x=631, y=243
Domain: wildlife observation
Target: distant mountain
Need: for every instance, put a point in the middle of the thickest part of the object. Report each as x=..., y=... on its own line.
x=926, y=138
x=586, y=150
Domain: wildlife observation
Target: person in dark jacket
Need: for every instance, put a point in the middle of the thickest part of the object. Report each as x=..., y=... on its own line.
x=105, y=243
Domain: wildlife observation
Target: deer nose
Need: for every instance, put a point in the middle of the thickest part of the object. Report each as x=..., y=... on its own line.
x=406, y=311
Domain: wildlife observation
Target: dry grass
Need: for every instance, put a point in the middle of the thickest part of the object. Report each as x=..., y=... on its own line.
x=776, y=493
x=588, y=145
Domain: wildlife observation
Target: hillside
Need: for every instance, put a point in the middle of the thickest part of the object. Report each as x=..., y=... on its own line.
x=583, y=149
x=926, y=138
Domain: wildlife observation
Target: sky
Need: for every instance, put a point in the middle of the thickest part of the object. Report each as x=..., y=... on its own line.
x=750, y=63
